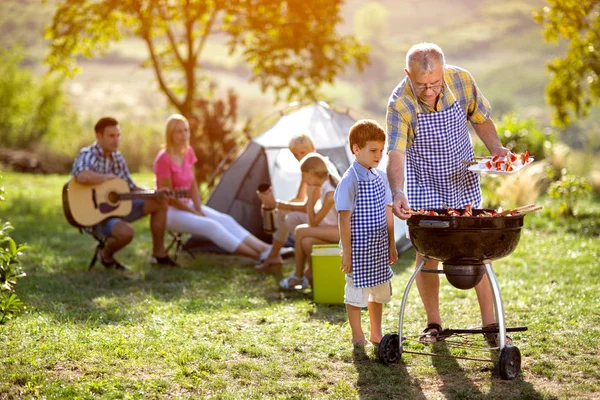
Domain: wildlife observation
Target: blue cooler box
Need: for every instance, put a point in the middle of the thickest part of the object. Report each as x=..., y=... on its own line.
x=328, y=279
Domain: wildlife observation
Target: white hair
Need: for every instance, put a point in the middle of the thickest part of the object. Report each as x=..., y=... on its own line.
x=424, y=57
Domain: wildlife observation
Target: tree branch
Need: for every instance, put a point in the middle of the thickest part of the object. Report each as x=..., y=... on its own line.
x=170, y=35
x=145, y=34
x=204, y=35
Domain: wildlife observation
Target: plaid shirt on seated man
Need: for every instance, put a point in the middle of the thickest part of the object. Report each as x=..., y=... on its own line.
x=93, y=158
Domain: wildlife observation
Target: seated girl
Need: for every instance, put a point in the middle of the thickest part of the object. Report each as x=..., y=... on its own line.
x=322, y=227
x=174, y=169
x=288, y=216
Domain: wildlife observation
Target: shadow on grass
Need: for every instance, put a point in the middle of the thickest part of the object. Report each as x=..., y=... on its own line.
x=206, y=283
x=379, y=381
x=457, y=385
x=332, y=313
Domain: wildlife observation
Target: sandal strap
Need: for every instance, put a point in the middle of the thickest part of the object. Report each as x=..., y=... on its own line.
x=433, y=326
x=286, y=285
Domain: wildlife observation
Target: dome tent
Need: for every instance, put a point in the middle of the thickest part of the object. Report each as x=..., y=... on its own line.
x=267, y=159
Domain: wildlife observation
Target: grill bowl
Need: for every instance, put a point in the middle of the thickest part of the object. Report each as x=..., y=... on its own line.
x=465, y=240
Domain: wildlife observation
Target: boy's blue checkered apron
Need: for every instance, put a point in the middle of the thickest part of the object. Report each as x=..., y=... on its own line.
x=369, y=238
x=434, y=173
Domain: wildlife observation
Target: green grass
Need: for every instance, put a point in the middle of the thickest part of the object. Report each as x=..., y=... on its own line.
x=216, y=329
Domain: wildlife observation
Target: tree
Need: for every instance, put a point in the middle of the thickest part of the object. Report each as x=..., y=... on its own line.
x=575, y=83
x=291, y=47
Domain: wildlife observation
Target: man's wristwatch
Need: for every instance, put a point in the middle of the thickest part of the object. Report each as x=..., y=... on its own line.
x=399, y=191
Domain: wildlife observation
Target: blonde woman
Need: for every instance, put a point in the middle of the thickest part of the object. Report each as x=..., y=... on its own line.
x=174, y=169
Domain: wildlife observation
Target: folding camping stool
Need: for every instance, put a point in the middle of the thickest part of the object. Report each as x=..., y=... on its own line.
x=101, y=241
x=179, y=245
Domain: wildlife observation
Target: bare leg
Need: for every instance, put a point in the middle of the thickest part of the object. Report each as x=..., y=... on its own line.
x=327, y=234
x=288, y=221
x=157, y=208
x=358, y=337
x=486, y=302
x=375, y=315
x=429, y=290
x=120, y=236
x=244, y=250
x=307, y=245
x=255, y=243
x=274, y=257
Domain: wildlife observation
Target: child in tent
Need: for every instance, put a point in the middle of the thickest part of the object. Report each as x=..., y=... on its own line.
x=322, y=224
x=366, y=223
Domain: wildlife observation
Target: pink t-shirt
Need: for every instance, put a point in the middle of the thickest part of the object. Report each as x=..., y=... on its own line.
x=181, y=176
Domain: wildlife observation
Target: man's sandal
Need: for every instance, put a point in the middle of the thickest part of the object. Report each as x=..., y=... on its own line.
x=114, y=263
x=431, y=334
x=288, y=284
x=492, y=338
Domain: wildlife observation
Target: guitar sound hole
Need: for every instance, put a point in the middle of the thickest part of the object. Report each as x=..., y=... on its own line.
x=113, y=197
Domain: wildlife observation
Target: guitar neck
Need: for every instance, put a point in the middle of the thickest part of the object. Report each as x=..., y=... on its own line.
x=151, y=193
x=137, y=195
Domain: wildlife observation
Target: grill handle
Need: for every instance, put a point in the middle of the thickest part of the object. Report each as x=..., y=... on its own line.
x=426, y=223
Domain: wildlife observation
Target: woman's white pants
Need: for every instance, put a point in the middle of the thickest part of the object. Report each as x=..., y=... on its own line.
x=221, y=229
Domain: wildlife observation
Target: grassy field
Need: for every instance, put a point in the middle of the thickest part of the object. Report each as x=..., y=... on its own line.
x=216, y=329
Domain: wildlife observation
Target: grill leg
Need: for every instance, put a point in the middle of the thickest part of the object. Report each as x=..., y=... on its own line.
x=405, y=298
x=498, y=307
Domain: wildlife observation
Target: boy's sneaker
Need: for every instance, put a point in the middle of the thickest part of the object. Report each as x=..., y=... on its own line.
x=165, y=261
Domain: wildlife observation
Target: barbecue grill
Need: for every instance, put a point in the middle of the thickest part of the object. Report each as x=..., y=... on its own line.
x=466, y=246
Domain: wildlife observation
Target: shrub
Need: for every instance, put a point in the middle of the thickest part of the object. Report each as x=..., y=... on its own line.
x=519, y=135
x=32, y=112
x=10, y=271
x=569, y=189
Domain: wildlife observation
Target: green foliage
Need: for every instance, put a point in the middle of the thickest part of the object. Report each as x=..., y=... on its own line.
x=520, y=135
x=575, y=83
x=30, y=111
x=371, y=22
x=569, y=189
x=10, y=271
x=291, y=47
x=218, y=126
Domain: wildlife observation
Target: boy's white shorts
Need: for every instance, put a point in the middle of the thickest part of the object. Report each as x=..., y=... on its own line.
x=360, y=297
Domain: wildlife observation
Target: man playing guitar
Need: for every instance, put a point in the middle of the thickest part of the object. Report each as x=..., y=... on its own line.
x=101, y=162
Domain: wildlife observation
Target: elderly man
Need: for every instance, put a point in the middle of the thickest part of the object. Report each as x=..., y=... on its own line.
x=427, y=117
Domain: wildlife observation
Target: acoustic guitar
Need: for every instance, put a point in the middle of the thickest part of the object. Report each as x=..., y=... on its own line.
x=88, y=205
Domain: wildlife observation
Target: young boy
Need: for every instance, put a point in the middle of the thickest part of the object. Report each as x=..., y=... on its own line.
x=366, y=224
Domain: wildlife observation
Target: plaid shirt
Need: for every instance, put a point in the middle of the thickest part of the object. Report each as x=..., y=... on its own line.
x=402, y=111
x=92, y=158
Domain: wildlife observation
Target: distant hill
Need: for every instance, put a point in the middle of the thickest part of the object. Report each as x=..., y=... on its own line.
x=497, y=41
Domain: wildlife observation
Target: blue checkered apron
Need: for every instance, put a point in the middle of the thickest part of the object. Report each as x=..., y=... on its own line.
x=370, y=246
x=434, y=173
